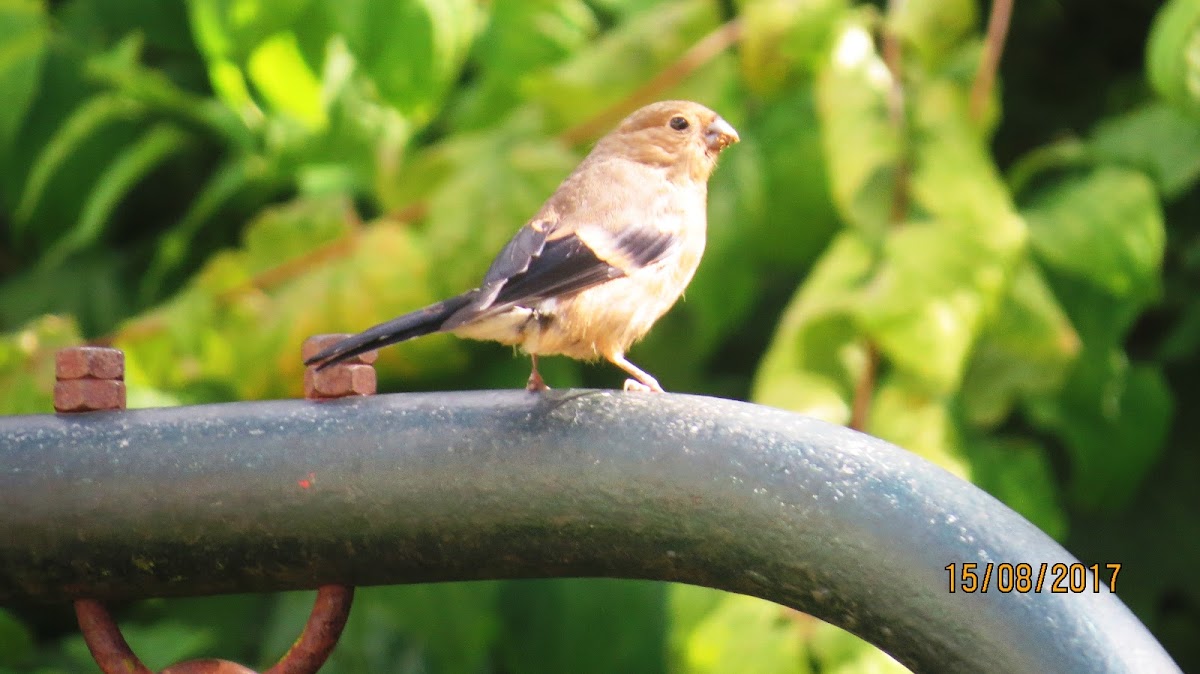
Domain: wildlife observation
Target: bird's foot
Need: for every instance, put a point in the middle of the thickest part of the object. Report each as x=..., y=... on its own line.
x=640, y=381
x=536, y=384
x=635, y=385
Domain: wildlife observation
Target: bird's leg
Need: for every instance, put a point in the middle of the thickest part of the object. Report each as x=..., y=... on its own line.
x=535, y=383
x=641, y=381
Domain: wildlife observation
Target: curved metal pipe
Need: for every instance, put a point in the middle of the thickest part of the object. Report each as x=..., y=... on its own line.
x=504, y=484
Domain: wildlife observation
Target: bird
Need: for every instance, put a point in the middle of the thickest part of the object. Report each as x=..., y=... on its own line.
x=607, y=255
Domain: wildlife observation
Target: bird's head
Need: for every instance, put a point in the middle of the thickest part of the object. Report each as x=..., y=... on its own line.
x=681, y=136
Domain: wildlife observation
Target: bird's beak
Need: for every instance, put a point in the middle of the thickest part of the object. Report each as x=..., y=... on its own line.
x=720, y=135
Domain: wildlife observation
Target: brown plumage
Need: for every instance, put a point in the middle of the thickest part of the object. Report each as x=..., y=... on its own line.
x=606, y=256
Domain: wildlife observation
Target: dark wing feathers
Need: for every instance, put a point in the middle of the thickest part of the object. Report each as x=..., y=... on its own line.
x=564, y=266
x=532, y=268
x=643, y=247
x=522, y=249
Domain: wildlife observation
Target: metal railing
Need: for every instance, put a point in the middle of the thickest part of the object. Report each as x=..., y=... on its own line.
x=411, y=488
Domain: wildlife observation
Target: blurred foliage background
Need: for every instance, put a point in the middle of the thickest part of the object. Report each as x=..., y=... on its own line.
x=996, y=270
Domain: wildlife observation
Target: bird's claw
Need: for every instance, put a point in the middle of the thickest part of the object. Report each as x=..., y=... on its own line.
x=536, y=384
x=635, y=385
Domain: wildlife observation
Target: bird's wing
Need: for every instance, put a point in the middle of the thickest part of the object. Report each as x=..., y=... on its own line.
x=542, y=262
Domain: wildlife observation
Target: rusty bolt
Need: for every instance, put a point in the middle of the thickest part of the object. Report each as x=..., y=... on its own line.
x=352, y=377
x=89, y=378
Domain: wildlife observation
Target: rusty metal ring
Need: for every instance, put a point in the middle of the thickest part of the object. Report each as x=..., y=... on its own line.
x=325, y=623
x=91, y=378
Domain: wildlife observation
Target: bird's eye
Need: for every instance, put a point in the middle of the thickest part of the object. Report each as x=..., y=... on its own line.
x=678, y=123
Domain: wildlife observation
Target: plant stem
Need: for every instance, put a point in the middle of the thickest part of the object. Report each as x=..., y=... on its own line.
x=893, y=56
x=989, y=62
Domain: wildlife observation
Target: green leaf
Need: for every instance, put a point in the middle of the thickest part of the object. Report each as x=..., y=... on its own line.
x=92, y=288
x=1018, y=472
x=623, y=8
x=1156, y=139
x=929, y=300
x=714, y=632
x=903, y=414
x=1100, y=319
x=1181, y=341
x=1026, y=350
x=367, y=138
x=450, y=628
x=836, y=651
x=163, y=24
x=783, y=210
x=235, y=331
x=412, y=50
x=782, y=39
x=620, y=61
x=933, y=30
x=165, y=643
x=224, y=183
x=940, y=281
x=1172, y=62
x=582, y=626
x=158, y=645
x=230, y=30
x=479, y=188
x=27, y=364
x=16, y=641
x=955, y=179
x=121, y=69
x=687, y=607
x=282, y=77
x=522, y=37
x=817, y=353
x=221, y=47
x=1105, y=227
x=1113, y=417
x=1033, y=168
x=121, y=177
x=23, y=34
x=862, y=145
x=86, y=121
x=232, y=623
x=1099, y=235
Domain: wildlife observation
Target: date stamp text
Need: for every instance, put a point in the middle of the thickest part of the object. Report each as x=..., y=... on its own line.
x=1056, y=578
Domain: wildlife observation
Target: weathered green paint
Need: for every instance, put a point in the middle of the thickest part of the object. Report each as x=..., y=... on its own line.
x=430, y=487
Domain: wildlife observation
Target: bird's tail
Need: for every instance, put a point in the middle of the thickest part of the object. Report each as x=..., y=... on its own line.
x=414, y=324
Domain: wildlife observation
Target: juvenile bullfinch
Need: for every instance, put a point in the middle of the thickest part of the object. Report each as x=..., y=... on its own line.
x=606, y=256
